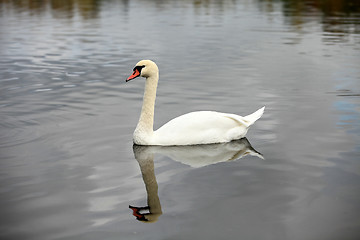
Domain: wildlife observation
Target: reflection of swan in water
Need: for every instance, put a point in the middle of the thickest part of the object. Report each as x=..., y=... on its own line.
x=207, y=154
x=145, y=158
x=194, y=156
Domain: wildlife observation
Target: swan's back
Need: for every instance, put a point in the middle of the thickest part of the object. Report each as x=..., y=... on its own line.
x=202, y=127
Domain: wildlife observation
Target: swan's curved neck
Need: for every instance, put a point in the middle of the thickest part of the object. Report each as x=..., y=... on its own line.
x=146, y=121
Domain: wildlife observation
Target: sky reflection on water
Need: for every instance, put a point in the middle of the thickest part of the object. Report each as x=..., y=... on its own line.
x=68, y=169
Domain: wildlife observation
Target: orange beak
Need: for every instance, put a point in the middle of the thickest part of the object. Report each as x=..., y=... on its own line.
x=135, y=74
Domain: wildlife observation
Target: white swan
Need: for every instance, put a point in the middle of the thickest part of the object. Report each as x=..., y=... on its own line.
x=201, y=127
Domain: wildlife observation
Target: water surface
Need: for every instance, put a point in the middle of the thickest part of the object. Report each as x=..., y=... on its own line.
x=68, y=166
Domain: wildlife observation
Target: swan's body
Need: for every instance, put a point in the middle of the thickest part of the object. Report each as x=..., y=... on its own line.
x=202, y=127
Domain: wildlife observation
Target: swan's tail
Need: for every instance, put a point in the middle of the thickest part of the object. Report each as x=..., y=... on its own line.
x=251, y=119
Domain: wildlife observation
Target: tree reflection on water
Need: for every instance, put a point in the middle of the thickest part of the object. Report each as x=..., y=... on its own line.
x=336, y=16
x=289, y=7
x=59, y=8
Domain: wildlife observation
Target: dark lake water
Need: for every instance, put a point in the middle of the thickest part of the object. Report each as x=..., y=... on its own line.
x=68, y=166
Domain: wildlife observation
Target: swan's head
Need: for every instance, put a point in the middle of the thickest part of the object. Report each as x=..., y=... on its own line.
x=144, y=68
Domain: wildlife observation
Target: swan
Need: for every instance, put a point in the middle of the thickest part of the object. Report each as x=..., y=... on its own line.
x=200, y=127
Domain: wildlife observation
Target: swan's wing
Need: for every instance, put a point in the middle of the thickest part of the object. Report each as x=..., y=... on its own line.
x=199, y=128
x=201, y=120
